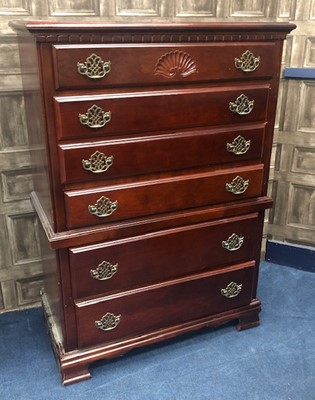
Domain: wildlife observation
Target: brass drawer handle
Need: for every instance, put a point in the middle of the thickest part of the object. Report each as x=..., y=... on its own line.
x=232, y=290
x=233, y=242
x=247, y=62
x=239, y=146
x=242, y=105
x=94, y=67
x=104, y=271
x=237, y=186
x=108, y=322
x=95, y=117
x=103, y=207
x=98, y=162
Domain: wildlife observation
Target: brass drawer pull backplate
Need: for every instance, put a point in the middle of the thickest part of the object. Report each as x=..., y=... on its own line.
x=233, y=243
x=232, y=290
x=95, y=117
x=104, y=271
x=247, y=62
x=108, y=322
x=98, y=162
x=239, y=146
x=103, y=207
x=94, y=67
x=242, y=105
x=237, y=186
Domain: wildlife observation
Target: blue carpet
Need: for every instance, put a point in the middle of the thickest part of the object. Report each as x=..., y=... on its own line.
x=275, y=361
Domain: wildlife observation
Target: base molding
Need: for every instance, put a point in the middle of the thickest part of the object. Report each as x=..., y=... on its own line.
x=74, y=365
x=291, y=255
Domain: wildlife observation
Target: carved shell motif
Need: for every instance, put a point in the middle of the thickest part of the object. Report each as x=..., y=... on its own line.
x=175, y=63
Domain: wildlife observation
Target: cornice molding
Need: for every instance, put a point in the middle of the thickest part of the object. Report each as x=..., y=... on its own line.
x=152, y=33
x=156, y=38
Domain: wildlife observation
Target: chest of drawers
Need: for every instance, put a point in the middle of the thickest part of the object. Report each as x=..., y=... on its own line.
x=151, y=147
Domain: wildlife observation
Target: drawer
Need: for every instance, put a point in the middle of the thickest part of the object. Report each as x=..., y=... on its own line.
x=121, y=202
x=101, y=66
x=122, y=113
x=136, y=312
x=159, y=256
x=99, y=160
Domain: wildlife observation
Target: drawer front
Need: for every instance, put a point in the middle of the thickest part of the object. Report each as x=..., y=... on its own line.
x=126, y=314
x=140, y=199
x=85, y=66
x=159, y=256
x=92, y=116
x=140, y=155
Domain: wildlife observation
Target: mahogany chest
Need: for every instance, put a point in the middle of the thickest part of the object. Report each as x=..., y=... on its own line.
x=151, y=148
